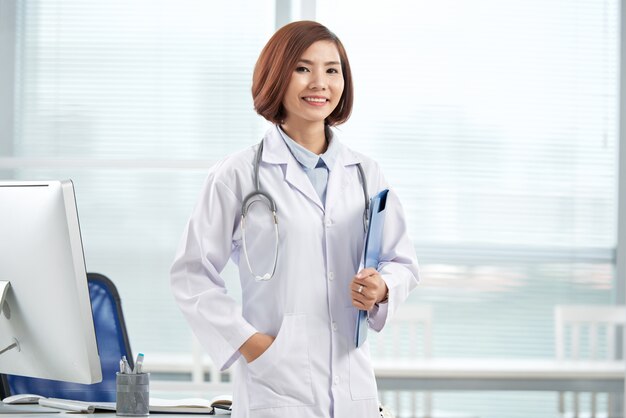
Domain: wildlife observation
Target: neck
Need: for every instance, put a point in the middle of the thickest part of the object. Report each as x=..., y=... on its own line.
x=311, y=137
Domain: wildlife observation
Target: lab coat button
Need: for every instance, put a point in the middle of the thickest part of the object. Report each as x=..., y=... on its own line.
x=334, y=326
x=329, y=222
x=331, y=276
x=336, y=380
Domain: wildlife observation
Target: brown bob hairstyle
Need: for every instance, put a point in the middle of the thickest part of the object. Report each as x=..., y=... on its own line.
x=277, y=62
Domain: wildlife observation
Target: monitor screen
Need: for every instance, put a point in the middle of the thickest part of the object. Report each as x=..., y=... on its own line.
x=46, y=324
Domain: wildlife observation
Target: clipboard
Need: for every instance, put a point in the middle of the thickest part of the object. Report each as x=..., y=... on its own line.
x=371, y=253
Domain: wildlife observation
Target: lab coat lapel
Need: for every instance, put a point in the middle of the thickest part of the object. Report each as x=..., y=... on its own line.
x=275, y=151
x=340, y=177
x=296, y=176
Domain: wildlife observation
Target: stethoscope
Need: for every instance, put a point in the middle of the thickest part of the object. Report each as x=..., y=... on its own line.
x=267, y=200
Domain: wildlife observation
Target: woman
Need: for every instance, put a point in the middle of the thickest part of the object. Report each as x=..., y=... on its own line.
x=291, y=343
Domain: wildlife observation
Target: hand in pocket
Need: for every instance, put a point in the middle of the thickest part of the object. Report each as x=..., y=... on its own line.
x=255, y=346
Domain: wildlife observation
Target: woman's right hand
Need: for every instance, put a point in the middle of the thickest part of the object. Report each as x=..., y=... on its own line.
x=255, y=346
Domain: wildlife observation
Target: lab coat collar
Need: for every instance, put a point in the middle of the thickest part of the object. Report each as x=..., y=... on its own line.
x=275, y=151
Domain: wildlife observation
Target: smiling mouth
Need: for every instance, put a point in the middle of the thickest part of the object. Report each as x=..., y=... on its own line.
x=316, y=101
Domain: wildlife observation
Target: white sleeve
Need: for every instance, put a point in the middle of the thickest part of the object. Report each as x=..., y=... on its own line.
x=198, y=288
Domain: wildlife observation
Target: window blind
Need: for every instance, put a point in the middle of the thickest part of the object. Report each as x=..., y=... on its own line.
x=135, y=101
x=497, y=124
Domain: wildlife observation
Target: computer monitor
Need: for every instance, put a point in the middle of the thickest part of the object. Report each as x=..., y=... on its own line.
x=46, y=324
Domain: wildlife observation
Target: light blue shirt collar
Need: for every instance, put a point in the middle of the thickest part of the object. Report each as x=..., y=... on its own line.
x=309, y=159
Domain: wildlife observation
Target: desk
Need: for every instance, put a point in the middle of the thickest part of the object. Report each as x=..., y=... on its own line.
x=452, y=374
x=98, y=415
x=440, y=374
x=504, y=374
x=500, y=374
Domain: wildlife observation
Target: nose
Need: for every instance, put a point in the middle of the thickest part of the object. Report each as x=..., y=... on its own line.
x=318, y=81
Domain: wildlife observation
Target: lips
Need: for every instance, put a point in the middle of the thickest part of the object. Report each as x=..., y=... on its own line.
x=315, y=100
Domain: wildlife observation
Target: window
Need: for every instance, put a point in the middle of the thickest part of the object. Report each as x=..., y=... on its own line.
x=495, y=121
x=497, y=124
x=134, y=101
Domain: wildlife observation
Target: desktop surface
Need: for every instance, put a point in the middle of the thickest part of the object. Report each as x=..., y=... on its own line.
x=33, y=411
x=8, y=410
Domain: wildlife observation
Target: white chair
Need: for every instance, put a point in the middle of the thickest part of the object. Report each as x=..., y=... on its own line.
x=407, y=336
x=586, y=333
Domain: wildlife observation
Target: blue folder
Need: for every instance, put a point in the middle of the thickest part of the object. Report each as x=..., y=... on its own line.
x=372, y=252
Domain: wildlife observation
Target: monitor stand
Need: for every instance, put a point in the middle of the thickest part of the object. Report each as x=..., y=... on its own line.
x=4, y=289
x=4, y=310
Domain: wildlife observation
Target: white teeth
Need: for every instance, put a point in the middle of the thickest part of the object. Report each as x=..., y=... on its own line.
x=314, y=99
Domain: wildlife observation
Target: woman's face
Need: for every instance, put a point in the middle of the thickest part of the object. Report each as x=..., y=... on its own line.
x=316, y=85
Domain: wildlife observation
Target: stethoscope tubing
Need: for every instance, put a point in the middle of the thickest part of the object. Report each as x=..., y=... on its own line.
x=267, y=199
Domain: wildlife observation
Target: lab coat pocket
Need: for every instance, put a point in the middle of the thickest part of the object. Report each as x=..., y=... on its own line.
x=281, y=376
x=362, y=379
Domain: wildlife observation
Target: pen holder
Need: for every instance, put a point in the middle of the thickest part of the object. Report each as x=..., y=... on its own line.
x=133, y=394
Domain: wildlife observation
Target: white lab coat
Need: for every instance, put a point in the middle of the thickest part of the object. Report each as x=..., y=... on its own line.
x=313, y=366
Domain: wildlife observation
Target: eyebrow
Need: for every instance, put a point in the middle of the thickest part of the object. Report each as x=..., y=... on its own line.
x=327, y=63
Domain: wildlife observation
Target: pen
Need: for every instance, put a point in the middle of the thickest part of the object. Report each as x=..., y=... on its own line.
x=121, y=366
x=138, y=363
x=126, y=366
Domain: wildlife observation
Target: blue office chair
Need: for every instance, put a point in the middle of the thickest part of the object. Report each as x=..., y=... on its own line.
x=4, y=387
x=112, y=340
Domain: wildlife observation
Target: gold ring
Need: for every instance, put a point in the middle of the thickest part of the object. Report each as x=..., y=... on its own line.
x=360, y=289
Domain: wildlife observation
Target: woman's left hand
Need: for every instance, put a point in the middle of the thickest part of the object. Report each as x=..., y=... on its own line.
x=367, y=289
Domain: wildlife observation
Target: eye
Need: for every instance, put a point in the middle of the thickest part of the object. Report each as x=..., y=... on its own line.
x=333, y=71
x=301, y=69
